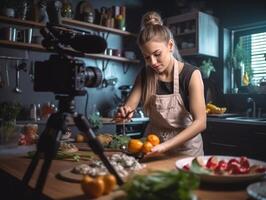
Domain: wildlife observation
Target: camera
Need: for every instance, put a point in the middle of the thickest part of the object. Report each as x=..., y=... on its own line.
x=66, y=76
x=63, y=74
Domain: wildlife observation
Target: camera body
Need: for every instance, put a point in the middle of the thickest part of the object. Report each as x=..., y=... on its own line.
x=65, y=76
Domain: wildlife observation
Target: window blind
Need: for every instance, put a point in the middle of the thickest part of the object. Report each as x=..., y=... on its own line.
x=255, y=48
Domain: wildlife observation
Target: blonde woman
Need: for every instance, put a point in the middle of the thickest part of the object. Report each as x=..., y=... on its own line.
x=171, y=93
x=153, y=17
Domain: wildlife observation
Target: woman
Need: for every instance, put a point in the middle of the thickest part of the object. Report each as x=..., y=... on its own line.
x=171, y=93
x=153, y=17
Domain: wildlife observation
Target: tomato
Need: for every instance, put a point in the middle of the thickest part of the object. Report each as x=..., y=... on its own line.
x=260, y=169
x=221, y=167
x=135, y=146
x=212, y=162
x=92, y=187
x=147, y=146
x=244, y=162
x=186, y=167
x=153, y=139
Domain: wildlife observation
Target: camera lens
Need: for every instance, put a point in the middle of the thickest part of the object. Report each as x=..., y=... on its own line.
x=93, y=77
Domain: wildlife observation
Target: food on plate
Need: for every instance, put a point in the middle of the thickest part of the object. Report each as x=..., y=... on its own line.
x=168, y=185
x=68, y=147
x=213, y=109
x=116, y=142
x=233, y=166
x=105, y=139
x=121, y=162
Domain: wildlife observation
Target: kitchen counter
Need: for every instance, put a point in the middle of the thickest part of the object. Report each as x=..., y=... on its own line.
x=13, y=166
x=231, y=121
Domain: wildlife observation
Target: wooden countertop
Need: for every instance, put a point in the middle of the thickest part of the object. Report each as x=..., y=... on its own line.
x=15, y=164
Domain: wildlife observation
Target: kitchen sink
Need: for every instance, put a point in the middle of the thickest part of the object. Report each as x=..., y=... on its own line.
x=248, y=119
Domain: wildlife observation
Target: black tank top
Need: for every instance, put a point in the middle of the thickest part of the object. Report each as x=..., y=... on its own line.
x=184, y=79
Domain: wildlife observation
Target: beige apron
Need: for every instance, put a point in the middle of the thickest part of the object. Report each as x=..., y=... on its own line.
x=168, y=117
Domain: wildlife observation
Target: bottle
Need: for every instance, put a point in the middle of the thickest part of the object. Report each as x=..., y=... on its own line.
x=38, y=113
x=33, y=113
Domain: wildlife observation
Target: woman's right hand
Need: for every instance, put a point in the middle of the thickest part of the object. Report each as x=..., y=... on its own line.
x=123, y=113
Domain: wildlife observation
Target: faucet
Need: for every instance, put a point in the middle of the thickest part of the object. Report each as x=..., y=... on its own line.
x=253, y=109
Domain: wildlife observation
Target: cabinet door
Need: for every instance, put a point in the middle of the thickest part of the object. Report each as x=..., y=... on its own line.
x=256, y=145
x=195, y=33
x=208, y=35
x=222, y=139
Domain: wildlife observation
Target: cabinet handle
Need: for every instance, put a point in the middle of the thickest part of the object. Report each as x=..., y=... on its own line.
x=224, y=145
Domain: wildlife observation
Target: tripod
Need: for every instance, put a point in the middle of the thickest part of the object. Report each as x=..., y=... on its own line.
x=49, y=142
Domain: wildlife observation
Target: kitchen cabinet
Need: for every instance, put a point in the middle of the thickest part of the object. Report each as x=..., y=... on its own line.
x=70, y=23
x=195, y=33
x=221, y=138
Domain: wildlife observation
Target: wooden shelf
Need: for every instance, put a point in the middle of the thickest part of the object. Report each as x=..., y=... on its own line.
x=20, y=22
x=76, y=23
x=66, y=21
x=38, y=47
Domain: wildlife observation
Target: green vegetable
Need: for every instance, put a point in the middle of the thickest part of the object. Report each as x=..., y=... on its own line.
x=118, y=141
x=168, y=185
x=197, y=168
x=76, y=156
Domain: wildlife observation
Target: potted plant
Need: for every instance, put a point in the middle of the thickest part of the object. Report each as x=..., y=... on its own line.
x=206, y=68
x=239, y=65
x=8, y=114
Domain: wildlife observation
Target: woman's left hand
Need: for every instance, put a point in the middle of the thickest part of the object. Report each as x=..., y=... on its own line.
x=159, y=149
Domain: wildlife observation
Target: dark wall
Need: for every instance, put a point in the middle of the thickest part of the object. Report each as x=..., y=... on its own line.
x=105, y=99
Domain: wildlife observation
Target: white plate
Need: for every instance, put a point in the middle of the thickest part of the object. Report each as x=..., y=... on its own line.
x=257, y=190
x=223, y=178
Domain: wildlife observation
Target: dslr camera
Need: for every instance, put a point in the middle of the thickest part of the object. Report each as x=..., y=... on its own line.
x=63, y=74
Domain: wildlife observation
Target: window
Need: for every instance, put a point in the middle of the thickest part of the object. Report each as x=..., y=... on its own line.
x=253, y=42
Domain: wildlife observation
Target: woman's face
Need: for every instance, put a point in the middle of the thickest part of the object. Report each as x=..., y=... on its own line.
x=157, y=54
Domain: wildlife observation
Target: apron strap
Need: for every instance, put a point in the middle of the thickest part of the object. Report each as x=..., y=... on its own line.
x=176, y=78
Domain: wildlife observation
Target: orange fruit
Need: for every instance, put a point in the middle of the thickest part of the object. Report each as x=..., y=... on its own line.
x=147, y=146
x=109, y=183
x=135, y=146
x=153, y=139
x=92, y=187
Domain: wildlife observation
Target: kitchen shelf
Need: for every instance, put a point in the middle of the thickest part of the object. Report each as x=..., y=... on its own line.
x=76, y=23
x=20, y=22
x=38, y=47
x=66, y=21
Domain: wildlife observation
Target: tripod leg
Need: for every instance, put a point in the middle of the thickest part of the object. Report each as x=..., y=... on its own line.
x=48, y=144
x=84, y=126
x=31, y=168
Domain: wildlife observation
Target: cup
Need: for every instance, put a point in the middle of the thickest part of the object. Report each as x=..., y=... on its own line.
x=28, y=35
x=8, y=33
